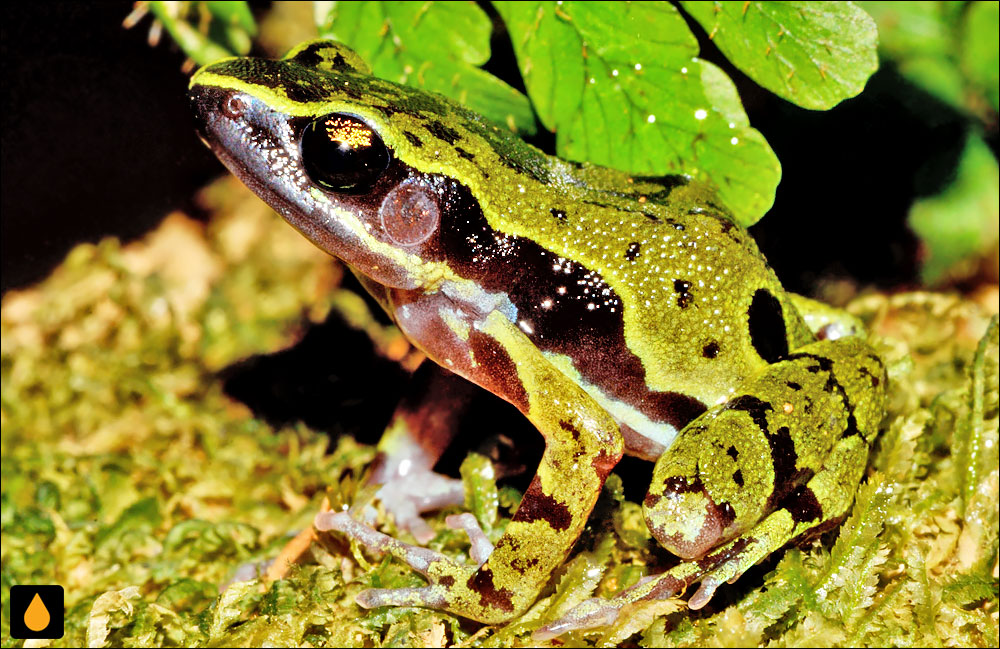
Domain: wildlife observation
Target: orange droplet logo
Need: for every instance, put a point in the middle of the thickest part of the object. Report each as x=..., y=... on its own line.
x=36, y=616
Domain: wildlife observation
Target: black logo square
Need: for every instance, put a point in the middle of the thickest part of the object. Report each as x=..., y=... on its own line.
x=36, y=612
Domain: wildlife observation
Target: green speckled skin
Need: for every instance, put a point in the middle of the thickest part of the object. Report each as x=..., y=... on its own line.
x=619, y=314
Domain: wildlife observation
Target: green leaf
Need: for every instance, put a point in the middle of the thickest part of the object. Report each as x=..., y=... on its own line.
x=814, y=54
x=236, y=14
x=980, y=52
x=436, y=46
x=961, y=221
x=946, y=48
x=644, y=103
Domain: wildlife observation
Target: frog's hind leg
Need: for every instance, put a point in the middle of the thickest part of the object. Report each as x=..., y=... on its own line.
x=822, y=502
x=780, y=459
x=422, y=426
x=824, y=499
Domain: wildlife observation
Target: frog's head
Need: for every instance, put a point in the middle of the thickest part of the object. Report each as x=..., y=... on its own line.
x=363, y=167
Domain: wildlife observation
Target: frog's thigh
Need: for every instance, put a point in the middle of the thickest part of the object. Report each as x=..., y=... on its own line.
x=781, y=458
x=582, y=445
x=422, y=426
x=821, y=502
x=827, y=496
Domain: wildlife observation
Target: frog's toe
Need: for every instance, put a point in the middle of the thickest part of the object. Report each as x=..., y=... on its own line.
x=440, y=570
x=418, y=558
x=588, y=614
x=704, y=593
x=426, y=596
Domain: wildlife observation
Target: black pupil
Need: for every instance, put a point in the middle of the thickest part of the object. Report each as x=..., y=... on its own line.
x=343, y=154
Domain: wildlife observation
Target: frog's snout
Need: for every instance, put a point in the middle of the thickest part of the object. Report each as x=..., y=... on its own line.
x=684, y=519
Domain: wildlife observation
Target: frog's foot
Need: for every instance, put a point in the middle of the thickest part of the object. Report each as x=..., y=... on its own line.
x=405, y=497
x=441, y=571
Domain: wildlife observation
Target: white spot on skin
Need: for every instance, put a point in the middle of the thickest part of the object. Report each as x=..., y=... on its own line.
x=638, y=66
x=735, y=140
x=651, y=119
x=700, y=114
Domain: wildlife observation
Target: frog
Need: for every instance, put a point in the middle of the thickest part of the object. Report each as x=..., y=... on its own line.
x=619, y=313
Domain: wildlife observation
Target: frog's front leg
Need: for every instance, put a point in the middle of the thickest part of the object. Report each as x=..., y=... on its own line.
x=582, y=445
x=423, y=424
x=779, y=460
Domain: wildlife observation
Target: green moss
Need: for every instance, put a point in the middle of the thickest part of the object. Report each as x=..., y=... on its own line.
x=129, y=477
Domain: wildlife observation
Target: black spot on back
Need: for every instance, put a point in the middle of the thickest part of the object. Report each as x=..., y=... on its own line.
x=442, y=132
x=767, y=326
x=683, y=297
x=732, y=452
x=711, y=350
x=465, y=154
x=738, y=477
x=559, y=214
x=414, y=139
x=633, y=251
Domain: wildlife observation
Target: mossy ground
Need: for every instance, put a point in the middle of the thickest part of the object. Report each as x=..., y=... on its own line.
x=130, y=477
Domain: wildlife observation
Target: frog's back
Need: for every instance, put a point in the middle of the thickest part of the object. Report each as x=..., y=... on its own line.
x=641, y=289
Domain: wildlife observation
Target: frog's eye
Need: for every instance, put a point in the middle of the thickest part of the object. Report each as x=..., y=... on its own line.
x=343, y=154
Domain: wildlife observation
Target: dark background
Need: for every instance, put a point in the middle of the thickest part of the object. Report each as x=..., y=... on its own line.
x=97, y=141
